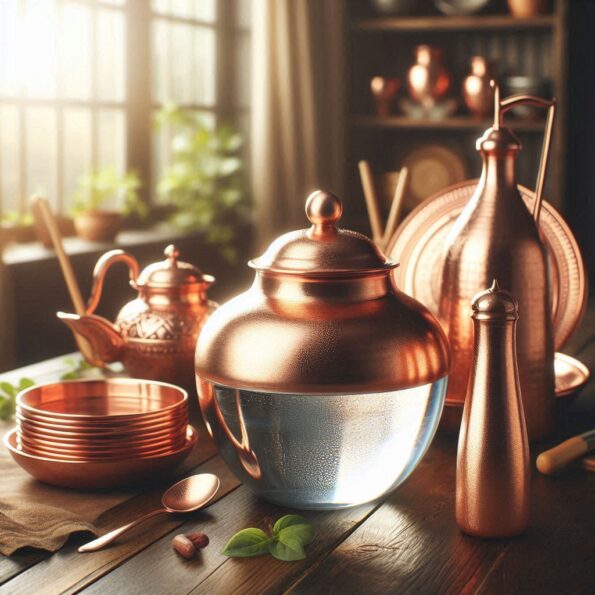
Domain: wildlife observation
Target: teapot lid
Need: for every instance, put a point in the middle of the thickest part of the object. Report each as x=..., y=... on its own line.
x=171, y=272
x=323, y=249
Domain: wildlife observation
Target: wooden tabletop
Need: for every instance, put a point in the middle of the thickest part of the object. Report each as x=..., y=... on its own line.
x=407, y=543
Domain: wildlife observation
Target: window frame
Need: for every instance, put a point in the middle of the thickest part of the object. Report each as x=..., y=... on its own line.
x=137, y=105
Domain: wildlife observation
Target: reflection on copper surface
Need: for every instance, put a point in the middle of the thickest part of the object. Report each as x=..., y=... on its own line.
x=497, y=237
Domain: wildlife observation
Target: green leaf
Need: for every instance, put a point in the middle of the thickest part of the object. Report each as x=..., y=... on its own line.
x=287, y=547
x=295, y=526
x=8, y=389
x=26, y=383
x=247, y=543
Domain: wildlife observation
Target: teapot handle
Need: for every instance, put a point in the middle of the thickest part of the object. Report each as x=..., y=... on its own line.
x=100, y=270
x=550, y=106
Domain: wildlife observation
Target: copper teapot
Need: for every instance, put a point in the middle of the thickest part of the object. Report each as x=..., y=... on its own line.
x=155, y=334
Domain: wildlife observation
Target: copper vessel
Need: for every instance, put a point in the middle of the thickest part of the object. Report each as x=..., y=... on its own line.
x=322, y=384
x=154, y=335
x=477, y=93
x=497, y=237
x=102, y=474
x=492, y=493
x=428, y=80
x=384, y=91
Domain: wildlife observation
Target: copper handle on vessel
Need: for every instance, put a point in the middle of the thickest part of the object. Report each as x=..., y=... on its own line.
x=100, y=270
x=550, y=105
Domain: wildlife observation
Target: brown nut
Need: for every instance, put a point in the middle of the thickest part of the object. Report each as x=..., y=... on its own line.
x=184, y=546
x=199, y=540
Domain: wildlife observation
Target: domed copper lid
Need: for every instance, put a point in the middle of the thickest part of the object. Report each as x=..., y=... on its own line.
x=322, y=317
x=323, y=249
x=495, y=304
x=172, y=272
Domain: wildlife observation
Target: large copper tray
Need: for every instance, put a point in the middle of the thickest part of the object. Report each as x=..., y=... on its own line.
x=98, y=474
x=418, y=246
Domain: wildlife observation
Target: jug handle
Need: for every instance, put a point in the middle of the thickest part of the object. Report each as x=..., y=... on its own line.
x=100, y=270
x=550, y=106
x=246, y=455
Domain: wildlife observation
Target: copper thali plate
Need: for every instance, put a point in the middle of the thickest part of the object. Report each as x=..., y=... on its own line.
x=571, y=374
x=107, y=401
x=58, y=430
x=91, y=447
x=418, y=246
x=98, y=474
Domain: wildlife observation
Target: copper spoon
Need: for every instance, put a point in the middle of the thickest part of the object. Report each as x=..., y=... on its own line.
x=187, y=495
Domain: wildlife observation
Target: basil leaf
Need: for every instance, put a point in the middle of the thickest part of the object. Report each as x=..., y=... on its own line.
x=25, y=383
x=296, y=526
x=247, y=543
x=287, y=548
x=8, y=389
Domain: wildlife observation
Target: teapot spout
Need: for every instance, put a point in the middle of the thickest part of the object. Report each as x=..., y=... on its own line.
x=104, y=338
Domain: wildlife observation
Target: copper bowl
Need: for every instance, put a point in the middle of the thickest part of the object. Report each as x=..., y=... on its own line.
x=98, y=474
x=108, y=401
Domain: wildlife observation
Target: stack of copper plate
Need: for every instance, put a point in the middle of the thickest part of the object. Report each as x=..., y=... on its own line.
x=100, y=433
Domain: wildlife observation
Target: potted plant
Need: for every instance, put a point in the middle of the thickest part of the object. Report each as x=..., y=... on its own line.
x=101, y=200
x=204, y=179
x=16, y=227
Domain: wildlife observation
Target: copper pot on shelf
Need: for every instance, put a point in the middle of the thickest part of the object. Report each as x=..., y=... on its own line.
x=526, y=9
x=154, y=335
x=428, y=80
x=477, y=93
x=497, y=237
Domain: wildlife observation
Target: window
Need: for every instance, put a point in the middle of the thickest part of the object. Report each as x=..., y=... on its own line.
x=80, y=81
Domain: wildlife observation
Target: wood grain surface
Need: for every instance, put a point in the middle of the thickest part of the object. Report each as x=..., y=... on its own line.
x=407, y=543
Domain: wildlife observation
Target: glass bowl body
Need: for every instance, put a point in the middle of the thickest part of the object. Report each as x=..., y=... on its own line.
x=322, y=451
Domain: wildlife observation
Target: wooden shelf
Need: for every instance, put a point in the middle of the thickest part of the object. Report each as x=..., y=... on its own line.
x=452, y=123
x=444, y=23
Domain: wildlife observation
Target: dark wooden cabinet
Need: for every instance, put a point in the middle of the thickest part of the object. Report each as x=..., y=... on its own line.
x=384, y=45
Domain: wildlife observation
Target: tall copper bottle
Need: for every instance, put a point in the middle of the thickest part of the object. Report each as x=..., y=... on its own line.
x=497, y=237
x=493, y=474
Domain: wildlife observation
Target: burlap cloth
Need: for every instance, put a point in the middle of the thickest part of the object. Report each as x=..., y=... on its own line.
x=41, y=516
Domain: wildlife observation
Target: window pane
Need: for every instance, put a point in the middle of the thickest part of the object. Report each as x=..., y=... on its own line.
x=41, y=152
x=244, y=13
x=110, y=55
x=77, y=150
x=75, y=41
x=111, y=146
x=180, y=66
x=202, y=74
x=9, y=158
x=8, y=48
x=162, y=139
x=201, y=10
x=159, y=62
x=37, y=42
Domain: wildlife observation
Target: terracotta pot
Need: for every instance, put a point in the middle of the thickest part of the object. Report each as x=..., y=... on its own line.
x=525, y=9
x=477, y=93
x=19, y=234
x=98, y=226
x=384, y=90
x=427, y=79
x=65, y=225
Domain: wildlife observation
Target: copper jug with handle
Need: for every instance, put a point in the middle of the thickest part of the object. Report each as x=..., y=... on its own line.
x=497, y=237
x=155, y=334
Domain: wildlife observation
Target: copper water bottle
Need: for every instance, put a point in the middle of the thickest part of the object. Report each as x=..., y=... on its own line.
x=492, y=494
x=497, y=237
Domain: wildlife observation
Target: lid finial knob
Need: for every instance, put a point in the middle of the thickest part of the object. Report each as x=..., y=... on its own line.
x=172, y=254
x=323, y=209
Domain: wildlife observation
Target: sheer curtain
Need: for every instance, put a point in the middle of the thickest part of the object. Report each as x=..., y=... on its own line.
x=297, y=123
